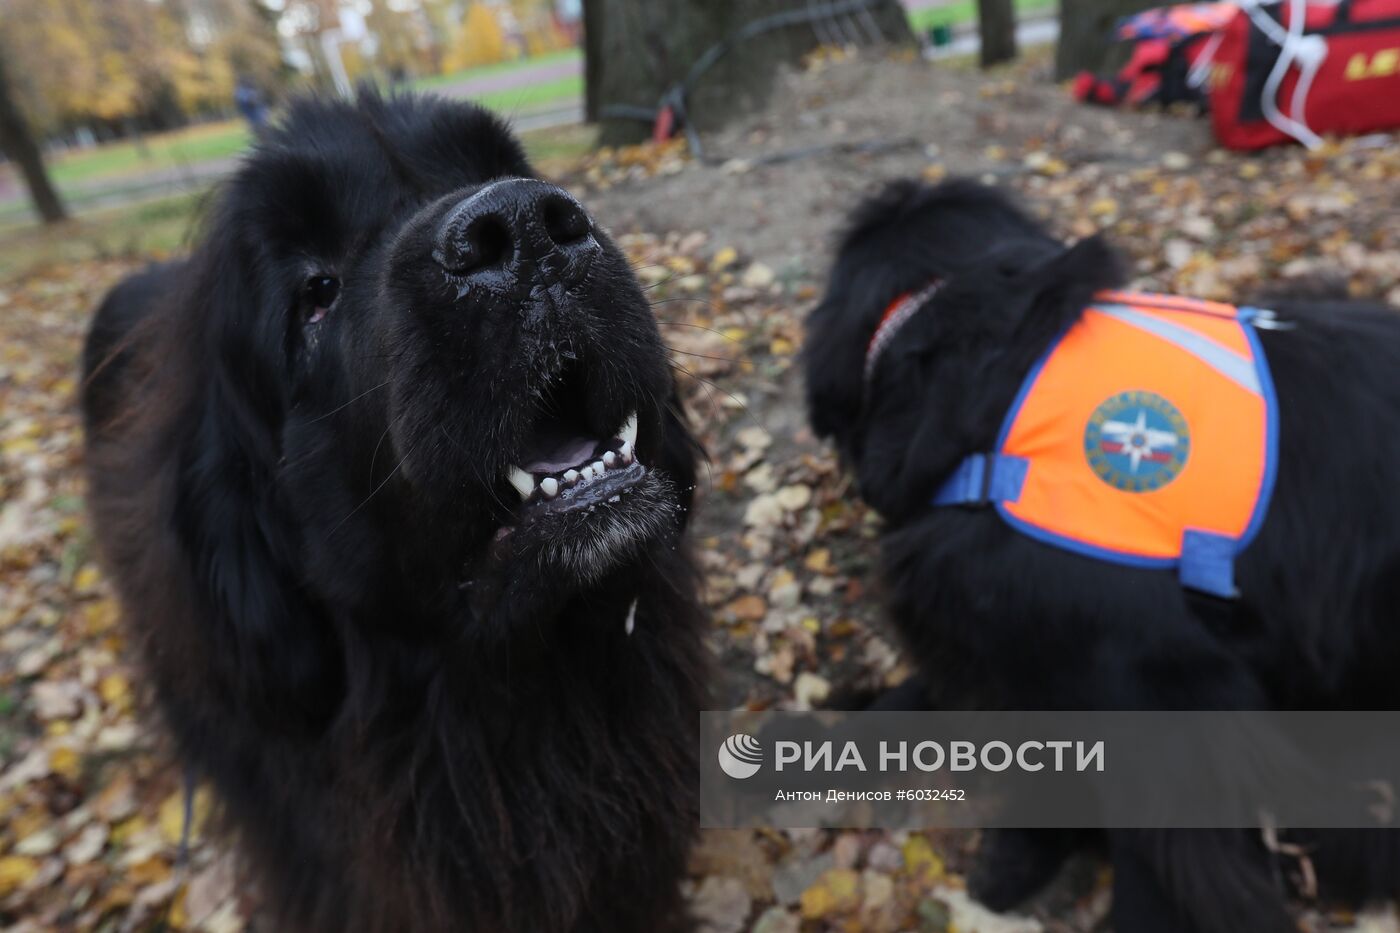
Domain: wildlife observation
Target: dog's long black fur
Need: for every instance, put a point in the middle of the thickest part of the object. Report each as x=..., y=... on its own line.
x=997, y=620
x=421, y=705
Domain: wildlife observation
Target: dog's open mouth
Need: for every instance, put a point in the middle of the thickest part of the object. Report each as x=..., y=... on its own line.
x=564, y=471
x=565, y=463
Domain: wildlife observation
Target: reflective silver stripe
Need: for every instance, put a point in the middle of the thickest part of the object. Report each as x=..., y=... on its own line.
x=1238, y=369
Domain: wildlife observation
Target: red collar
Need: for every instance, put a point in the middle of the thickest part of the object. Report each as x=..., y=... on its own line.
x=895, y=317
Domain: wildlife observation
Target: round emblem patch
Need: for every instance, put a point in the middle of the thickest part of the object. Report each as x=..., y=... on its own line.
x=1137, y=441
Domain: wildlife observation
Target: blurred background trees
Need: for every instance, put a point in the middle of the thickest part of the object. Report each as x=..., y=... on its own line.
x=140, y=73
x=91, y=70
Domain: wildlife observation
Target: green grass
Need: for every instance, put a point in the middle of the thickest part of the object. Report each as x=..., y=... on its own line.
x=500, y=68
x=163, y=225
x=152, y=228
x=963, y=12
x=535, y=95
x=165, y=150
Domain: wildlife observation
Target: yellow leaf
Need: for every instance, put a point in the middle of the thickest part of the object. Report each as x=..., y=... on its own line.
x=781, y=346
x=127, y=829
x=64, y=760
x=921, y=861
x=837, y=890
x=172, y=815
x=1103, y=207
x=736, y=334
x=178, y=916
x=817, y=901
x=115, y=691
x=15, y=872
x=101, y=615
x=819, y=561
x=152, y=871
x=85, y=580
x=725, y=258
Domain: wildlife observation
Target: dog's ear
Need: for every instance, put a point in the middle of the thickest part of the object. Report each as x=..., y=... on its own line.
x=273, y=648
x=877, y=260
x=1058, y=289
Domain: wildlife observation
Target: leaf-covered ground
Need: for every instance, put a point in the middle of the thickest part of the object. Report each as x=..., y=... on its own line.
x=91, y=808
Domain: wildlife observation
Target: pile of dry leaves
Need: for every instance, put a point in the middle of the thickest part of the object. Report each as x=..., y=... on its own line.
x=91, y=807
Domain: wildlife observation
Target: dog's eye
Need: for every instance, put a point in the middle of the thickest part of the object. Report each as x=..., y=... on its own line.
x=317, y=297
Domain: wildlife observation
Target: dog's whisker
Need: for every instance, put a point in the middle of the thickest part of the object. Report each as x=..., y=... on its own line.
x=471, y=461
x=705, y=356
x=376, y=489
x=351, y=402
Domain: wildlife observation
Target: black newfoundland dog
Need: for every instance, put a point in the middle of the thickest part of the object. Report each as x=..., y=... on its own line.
x=998, y=620
x=390, y=475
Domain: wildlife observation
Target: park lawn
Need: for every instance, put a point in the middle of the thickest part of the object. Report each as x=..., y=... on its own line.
x=558, y=91
x=964, y=12
x=161, y=226
x=499, y=68
x=164, y=150
x=219, y=140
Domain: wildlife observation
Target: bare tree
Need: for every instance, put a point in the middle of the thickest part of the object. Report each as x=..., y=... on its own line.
x=17, y=142
x=1085, y=27
x=996, y=22
x=638, y=51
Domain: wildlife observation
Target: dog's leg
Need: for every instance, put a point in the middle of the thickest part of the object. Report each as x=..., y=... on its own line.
x=1194, y=881
x=1013, y=865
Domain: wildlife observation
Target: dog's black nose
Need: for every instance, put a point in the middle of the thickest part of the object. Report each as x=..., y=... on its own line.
x=509, y=221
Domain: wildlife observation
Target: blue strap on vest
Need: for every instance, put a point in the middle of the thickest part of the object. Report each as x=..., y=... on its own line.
x=982, y=479
x=1207, y=560
x=1208, y=563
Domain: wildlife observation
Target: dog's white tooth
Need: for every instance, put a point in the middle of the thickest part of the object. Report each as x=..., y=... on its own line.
x=523, y=482
x=631, y=622
x=587, y=473
x=598, y=467
x=570, y=477
x=610, y=459
x=549, y=486
x=625, y=451
x=629, y=430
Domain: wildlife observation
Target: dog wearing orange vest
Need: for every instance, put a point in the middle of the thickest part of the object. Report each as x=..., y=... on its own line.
x=937, y=342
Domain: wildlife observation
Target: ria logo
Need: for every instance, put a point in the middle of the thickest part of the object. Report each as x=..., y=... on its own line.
x=740, y=756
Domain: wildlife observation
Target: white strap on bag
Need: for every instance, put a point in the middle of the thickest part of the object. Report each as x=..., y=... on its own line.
x=1295, y=46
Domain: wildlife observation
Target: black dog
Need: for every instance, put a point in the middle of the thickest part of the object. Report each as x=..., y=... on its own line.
x=390, y=475
x=999, y=620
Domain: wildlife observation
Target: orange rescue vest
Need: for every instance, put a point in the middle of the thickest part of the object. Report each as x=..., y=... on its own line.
x=1147, y=435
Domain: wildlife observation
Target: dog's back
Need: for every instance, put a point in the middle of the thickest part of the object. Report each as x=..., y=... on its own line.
x=999, y=618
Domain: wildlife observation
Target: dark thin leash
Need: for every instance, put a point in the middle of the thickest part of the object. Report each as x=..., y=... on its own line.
x=191, y=781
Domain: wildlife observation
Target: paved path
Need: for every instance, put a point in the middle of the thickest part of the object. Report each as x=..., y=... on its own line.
x=522, y=77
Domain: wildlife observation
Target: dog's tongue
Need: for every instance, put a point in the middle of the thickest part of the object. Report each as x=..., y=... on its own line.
x=561, y=453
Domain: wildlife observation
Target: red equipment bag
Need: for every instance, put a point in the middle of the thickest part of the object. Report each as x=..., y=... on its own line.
x=1274, y=79
x=1166, y=44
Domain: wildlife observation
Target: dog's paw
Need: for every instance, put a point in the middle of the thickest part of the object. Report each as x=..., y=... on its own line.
x=1013, y=865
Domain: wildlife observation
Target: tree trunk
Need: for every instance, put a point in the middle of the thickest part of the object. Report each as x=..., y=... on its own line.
x=1086, y=28
x=996, y=22
x=19, y=146
x=592, y=59
x=638, y=50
